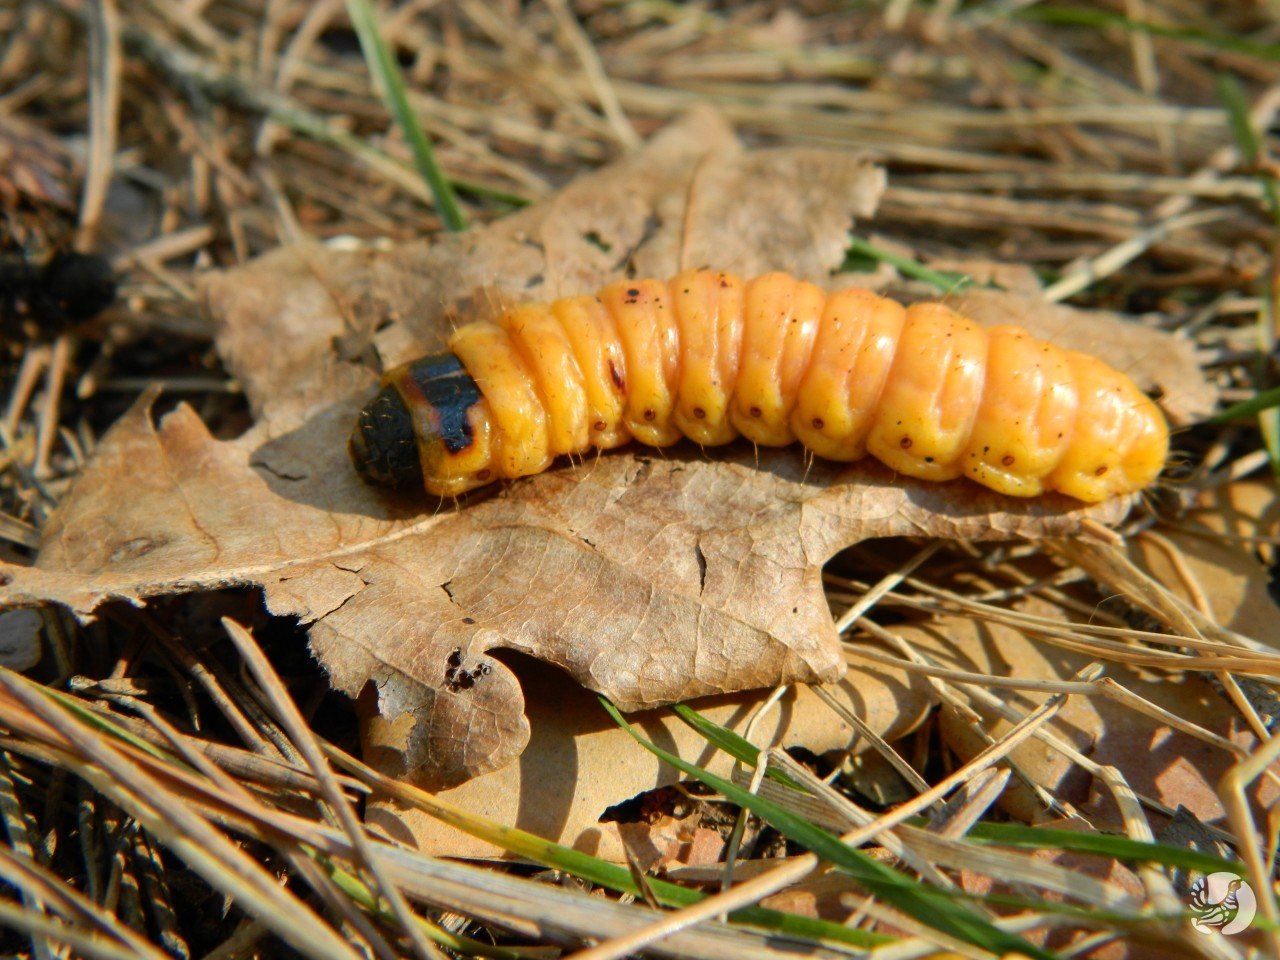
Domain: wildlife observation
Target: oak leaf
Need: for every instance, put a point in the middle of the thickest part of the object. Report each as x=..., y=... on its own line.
x=648, y=576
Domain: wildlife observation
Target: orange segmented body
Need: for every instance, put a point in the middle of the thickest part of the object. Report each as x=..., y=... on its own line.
x=776, y=360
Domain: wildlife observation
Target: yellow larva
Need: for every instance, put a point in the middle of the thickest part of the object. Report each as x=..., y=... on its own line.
x=776, y=360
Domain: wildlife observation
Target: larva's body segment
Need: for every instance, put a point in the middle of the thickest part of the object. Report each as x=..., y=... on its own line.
x=548, y=355
x=780, y=319
x=928, y=406
x=642, y=311
x=707, y=308
x=850, y=364
x=1116, y=445
x=593, y=337
x=706, y=356
x=1026, y=416
x=520, y=443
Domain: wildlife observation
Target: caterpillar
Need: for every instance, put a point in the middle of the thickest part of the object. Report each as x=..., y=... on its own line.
x=710, y=357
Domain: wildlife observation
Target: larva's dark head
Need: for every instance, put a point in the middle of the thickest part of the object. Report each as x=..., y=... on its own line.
x=383, y=446
x=428, y=427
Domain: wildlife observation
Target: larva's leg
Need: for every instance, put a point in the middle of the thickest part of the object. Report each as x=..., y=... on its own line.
x=926, y=413
x=780, y=321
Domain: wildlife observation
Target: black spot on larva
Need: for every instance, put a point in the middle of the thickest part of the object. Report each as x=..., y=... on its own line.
x=756, y=412
x=1101, y=470
x=455, y=658
x=818, y=423
x=699, y=413
x=633, y=292
x=599, y=425
x=986, y=449
x=1007, y=460
x=686, y=289
x=616, y=375
x=905, y=443
x=649, y=415
x=469, y=620
x=928, y=459
x=484, y=475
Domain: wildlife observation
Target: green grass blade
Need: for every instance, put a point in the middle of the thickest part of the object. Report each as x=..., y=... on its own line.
x=360, y=893
x=1102, y=844
x=738, y=747
x=1097, y=19
x=1249, y=146
x=384, y=67
x=932, y=907
x=1233, y=100
x=948, y=283
x=602, y=873
x=1265, y=400
x=1008, y=835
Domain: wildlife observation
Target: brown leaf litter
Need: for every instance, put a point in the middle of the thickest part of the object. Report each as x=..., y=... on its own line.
x=650, y=577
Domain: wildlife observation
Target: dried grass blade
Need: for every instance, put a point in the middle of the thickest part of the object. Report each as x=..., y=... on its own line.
x=43, y=928
x=574, y=862
x=931, y=906
x=31, y=878
x=104, y=114
x=304, y=740
x=190, y=836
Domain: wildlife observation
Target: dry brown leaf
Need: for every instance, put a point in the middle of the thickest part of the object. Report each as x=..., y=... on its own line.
x=650, y=577
x=579, y=763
